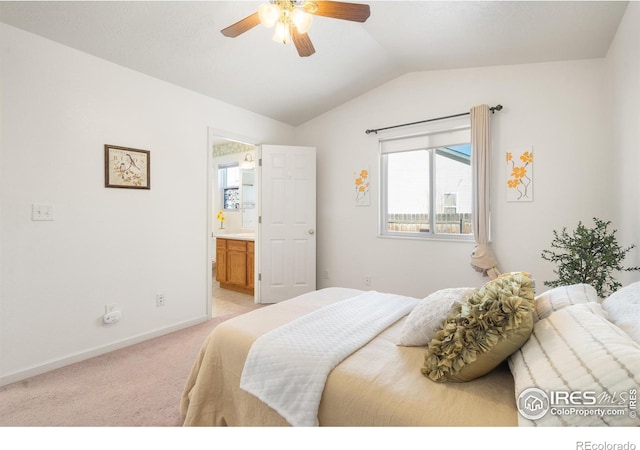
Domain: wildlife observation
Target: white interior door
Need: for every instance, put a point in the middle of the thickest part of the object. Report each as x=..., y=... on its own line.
x=286, y=254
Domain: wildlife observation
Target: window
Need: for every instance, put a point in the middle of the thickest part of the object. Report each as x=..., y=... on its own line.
x=229, y=179
x=426, y=185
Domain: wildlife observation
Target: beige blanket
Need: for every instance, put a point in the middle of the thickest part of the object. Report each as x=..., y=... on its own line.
x=378, y=385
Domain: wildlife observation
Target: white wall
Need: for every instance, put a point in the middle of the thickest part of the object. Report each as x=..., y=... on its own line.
x=59, y=108
x=557, y=108
x=623, y=98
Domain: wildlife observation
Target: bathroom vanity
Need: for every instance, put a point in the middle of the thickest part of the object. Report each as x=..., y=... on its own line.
x=235, y=262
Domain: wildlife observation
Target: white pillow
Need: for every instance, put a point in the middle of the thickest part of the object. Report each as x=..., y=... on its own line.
x=426, y=318
x=623, y=307
x=561, y=297
x=576, y=351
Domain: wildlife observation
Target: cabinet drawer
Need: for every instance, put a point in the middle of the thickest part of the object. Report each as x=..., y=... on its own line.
x=250, y=246
x=240, y=246
x=221, y=243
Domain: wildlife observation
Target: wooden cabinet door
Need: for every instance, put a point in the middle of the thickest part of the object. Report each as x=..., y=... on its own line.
x=221, y=260
x=250, y=265
x=237, y=263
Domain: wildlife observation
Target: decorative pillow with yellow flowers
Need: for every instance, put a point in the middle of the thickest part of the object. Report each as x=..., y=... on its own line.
x=480, y=333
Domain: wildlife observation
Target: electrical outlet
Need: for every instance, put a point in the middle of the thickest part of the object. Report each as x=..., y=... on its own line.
x=367, y=280
x=159, y=300
x=42, y=212
x=112, y=317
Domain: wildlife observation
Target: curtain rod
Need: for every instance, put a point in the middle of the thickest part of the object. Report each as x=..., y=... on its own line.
x=493, y=109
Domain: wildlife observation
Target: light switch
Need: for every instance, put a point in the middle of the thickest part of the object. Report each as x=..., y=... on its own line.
x=42, y=212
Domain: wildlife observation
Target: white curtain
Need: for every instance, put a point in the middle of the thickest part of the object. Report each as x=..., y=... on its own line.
x=482, y=258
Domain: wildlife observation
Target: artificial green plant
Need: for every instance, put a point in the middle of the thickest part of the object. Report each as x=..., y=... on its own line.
x=588, y=255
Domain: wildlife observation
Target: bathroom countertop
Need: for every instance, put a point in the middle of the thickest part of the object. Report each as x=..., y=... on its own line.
x=238, y=236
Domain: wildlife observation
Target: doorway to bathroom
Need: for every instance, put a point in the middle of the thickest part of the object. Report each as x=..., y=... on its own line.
x=261, y=220
x=234, y=219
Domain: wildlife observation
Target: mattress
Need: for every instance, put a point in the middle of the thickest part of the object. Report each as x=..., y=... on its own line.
x=378, y=385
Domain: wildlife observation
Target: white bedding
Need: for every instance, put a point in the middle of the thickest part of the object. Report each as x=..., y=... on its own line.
x=287, y=367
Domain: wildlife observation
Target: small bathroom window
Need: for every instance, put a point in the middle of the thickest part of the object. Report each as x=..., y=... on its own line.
x=229, y=176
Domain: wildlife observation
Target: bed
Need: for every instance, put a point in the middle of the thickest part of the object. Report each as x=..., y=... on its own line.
x=574, y=342
x=378, y=385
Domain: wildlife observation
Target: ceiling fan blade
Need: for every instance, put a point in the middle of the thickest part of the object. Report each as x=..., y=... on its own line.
x=242, y=25
x=302, y=42
x=355, y=12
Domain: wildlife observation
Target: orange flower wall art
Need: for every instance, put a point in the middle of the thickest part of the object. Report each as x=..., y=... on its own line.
x=520, y=175
x=362, y=185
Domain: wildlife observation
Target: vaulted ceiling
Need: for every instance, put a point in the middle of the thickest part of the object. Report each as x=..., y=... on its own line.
x=180, y=42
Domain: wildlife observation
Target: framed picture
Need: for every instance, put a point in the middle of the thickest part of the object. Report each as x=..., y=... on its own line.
x=362, y=186
x=126, y=168
x=520, y=175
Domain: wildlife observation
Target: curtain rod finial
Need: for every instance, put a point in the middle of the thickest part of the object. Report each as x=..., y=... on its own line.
x=496, y=108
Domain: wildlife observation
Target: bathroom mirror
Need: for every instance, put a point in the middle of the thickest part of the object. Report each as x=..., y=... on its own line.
x=248, y=193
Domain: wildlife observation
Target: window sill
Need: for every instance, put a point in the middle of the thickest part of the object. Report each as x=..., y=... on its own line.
x=428, y=237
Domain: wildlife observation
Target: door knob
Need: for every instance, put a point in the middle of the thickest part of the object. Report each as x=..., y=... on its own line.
x=311, y=231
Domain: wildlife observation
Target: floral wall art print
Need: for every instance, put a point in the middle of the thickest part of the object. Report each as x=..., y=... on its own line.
x=362, y=186
x=520, y=175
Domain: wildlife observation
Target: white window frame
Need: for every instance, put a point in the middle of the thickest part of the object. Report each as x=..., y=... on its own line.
x=429, y=141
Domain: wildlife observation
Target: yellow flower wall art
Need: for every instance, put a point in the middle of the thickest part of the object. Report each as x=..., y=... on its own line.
x=362, y=186
x=520, y=175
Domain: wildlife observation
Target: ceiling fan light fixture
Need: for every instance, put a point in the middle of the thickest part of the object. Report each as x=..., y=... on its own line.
x=310, y=7
x=301, y=19
x=269, y=14
x=283, y=33
x=293, y=18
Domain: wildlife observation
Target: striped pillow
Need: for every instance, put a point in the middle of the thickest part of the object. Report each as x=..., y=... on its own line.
x=561, y=297
x=576, y=351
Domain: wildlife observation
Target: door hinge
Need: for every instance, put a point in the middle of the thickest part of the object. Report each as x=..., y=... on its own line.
x=259, y=277
x=260, y=162
x=259, y=219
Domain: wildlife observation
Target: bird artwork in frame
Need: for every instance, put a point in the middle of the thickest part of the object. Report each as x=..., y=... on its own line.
x=126, y=167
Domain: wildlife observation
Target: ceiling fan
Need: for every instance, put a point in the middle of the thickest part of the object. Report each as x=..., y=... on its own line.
x=292, y=20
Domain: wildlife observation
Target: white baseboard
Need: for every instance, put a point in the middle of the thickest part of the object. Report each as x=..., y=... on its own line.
x=62, y=362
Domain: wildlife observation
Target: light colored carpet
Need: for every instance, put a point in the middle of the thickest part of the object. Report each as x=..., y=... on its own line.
x=136, y=386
